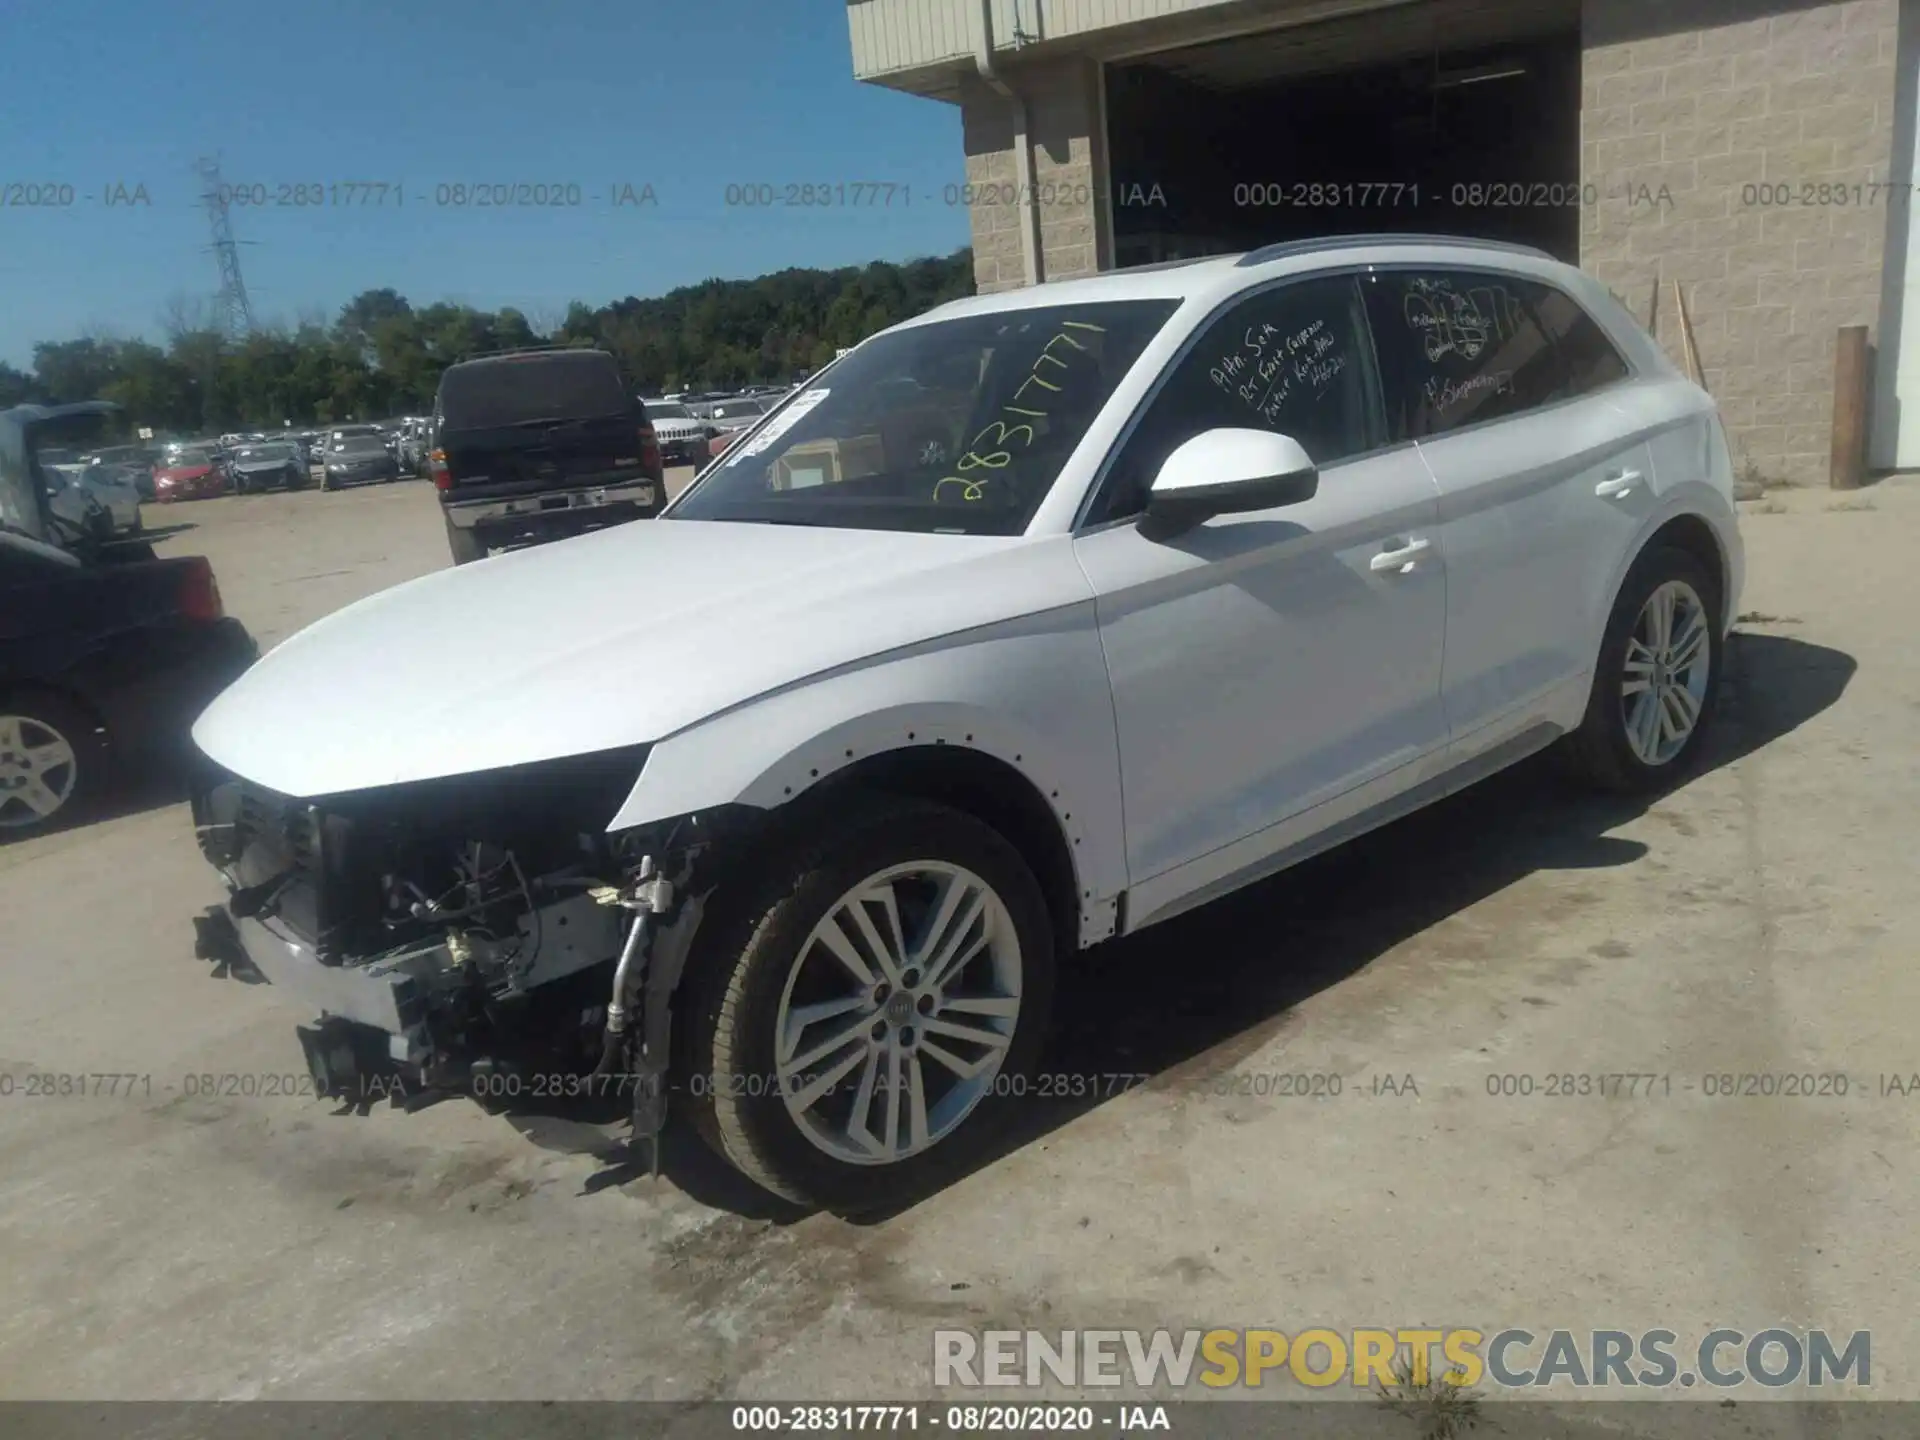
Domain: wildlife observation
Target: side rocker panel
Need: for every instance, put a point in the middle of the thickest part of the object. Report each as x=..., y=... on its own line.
x=1034, y=695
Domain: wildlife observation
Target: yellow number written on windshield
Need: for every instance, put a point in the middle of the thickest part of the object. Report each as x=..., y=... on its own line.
x=971, y=480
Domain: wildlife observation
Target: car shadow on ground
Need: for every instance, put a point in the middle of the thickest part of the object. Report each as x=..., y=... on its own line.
x=166, y=532
x=132, y=790
x=1243, y=962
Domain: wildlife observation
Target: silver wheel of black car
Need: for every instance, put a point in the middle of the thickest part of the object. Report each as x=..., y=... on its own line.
x=41, y=765
x=865, y=999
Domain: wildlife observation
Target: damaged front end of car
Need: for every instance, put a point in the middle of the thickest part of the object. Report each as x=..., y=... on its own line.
x=457, y=933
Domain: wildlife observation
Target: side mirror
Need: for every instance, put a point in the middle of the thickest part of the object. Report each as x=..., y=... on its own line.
x=1230, y=471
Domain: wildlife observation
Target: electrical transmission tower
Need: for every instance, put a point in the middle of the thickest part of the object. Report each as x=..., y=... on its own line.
x=235, y=310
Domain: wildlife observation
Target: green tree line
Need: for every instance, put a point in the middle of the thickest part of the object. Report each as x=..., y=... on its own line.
x=382, y=356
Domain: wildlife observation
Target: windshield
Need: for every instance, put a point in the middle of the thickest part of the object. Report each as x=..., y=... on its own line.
x=256, y=453
x=957, y=426
x=190, y=455
x=359, y=445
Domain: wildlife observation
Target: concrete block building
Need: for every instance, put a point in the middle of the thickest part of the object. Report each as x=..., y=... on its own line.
x=1758, y=152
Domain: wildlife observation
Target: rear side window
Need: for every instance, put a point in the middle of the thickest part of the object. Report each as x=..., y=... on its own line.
x=518, y=391
x=1590, y=357
x=1462, y=347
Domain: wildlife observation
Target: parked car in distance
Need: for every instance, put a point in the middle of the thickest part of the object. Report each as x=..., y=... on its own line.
x=358, y=460
x=139, y=461
x=533, y=445
x=945, y=674
x=111, y=487
x=728, y=418
x=682, y=435
x=271, y=465
x=76, y=507
x=190, y=472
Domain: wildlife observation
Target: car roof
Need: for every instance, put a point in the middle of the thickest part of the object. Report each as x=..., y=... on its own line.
x=1212, y=278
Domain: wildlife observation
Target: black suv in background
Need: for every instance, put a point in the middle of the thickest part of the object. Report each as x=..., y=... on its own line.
x=536, y=445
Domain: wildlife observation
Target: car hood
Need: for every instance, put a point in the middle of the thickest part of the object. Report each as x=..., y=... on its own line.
x=615, y=638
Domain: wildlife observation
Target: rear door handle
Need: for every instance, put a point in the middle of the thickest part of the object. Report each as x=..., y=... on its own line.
x=1399, y=561
x=1615, y=486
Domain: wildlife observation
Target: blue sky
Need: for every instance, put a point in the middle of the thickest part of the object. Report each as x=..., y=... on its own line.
x=687, y=98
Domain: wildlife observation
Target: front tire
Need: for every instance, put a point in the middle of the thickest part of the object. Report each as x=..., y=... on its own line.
x=1657, y=679
x=866, y=1003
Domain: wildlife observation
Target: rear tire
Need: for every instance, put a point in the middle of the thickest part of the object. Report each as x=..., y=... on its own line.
x=819, y=1130
x=1657, y=679
x=40, y=787
x=465, y=544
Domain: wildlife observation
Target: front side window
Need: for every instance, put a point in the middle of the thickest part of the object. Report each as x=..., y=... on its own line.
x=1461, y=347
x=1291, y=359
x=958, y=426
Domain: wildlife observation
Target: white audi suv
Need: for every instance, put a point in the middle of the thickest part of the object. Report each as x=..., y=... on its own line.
x=1033, y=621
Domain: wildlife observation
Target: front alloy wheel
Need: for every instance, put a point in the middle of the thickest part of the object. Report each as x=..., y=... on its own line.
x=897, y=1012
x=39, y=770
x=864, y=1000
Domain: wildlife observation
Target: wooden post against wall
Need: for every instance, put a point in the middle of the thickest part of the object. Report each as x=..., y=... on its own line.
x=1696, y=371
x=1849, y=408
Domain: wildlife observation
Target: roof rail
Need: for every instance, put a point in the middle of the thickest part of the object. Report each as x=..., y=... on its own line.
x=530, y=350
x=1174, y=264
x=1287, y=249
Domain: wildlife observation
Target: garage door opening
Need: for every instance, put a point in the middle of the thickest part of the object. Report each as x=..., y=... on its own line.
x=1340, y=128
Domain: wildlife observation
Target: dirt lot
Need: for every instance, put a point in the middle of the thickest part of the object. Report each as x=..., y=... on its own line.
x=1761, y=920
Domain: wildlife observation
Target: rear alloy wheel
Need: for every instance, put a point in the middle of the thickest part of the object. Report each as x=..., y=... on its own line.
x=48, y=756
x=1656, y=681
x=867, y=1006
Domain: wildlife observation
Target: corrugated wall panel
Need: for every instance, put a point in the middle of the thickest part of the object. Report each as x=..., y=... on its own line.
x=889, y=36
x=893, y=35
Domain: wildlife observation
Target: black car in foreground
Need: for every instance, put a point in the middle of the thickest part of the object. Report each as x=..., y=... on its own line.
x=535, y=445
x=107, y=653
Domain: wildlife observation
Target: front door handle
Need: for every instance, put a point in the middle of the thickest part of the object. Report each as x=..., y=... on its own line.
x=1615, y=486
x=1400, y=561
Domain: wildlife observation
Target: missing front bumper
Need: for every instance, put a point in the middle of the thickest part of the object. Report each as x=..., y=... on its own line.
x=388, y=1000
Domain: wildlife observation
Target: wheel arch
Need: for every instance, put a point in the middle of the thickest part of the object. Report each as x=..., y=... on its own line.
x=65, y=694
x=1698, y=529
x=1690, y=531
x=1041, y=767
x=993, y=791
